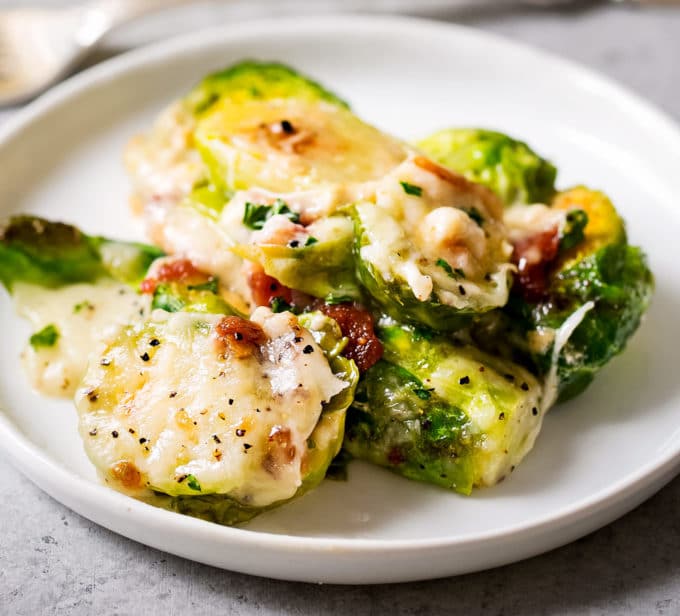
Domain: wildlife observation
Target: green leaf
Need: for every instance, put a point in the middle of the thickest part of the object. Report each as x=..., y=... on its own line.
x=193, y=483
x=256, y=215
x=412, y=189
x=45, y=338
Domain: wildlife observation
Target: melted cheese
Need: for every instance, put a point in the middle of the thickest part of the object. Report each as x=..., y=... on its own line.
x=83, y=314
x=182, y=413
x=562, y=336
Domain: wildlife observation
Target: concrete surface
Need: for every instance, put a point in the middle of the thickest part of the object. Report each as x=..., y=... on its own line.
x=54, y=562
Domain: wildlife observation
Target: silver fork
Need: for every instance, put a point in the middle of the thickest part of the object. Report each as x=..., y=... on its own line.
x=40, y=46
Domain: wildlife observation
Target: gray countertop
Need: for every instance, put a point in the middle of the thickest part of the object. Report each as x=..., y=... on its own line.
x=52, y=561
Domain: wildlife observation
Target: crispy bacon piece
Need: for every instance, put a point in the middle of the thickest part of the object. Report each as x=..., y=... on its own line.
x=175, y=270
x=264, y=288
x=238, y=336
x=534, y=255
x=356, y=324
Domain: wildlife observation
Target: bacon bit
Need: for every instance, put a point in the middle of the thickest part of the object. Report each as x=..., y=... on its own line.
x=534, y=255
x=174, y=270
x=356, y=324
x=280, y=450
x=127, y=474
x=239, y=336
x=264, y=288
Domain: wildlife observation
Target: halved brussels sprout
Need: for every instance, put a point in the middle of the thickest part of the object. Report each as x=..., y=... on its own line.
x=431, y=248
x=321, y=265
x=507, y=166
x=51, y=254
x=252, y=80
x=231, y=417
x=264, y=125
x=602, y=280
x=442, y=413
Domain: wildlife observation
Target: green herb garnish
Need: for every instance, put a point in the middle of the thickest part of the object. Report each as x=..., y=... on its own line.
x=475, y=215
x=423, y=393
x=278, y=304
x=82, y=306
x=210, y=285
x=45, y=338
x=453, y=272
x=412, y=189
x=193, y=483
x=311, y=240
x=256, y=215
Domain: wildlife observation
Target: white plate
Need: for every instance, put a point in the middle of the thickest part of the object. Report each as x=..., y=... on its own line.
x=597, y=457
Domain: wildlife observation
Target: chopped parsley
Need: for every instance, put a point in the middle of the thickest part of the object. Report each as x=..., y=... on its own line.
x=193, y=483
x=453, y=272
x=85, y=305
x=423, y=393
x=311, y=240
x=210, y=285
x=475, y=215
x=256, y=214
x=412, y=189
x=278, y=304
x=45, y=338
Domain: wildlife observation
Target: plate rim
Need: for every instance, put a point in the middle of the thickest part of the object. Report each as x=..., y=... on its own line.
x=37, y=466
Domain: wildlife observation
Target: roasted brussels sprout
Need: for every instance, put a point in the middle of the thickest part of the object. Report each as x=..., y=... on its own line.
x=266, y=126
x=508, y=167
x=431, y=249
x=597, y=289
x=321, y=263
x=52, y=254
x=214, y=396
x=447, y=414
x=252, y=80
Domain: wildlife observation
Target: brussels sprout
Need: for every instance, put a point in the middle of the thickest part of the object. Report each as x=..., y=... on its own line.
x=212, y=435
x=508, y=167
x=419, y=289
x=322, y=265
x=52, y=254
x=442, y=413
x=270, y=128
x=602, y=269
x=251, y=80
x=604, y=225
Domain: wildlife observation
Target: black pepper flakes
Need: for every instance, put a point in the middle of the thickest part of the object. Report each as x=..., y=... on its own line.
x=142, y=441
x=172, y=394
x=297, y=339
x=501, y=416
x=534, y=411
x=93, y=432
x=287, y=127
x=238, y=336
x=294, y=243
x=131, y=430
x=231, y=401
x=465, y=380
x=105, y=362
x=509, y=377
x=240, y=432
x=308, y=349
x=461, y=289
x=216, y=439
x=247, y=446
x=114, y=434
x=525, y=386
x=154, y=342
x=144, y=357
